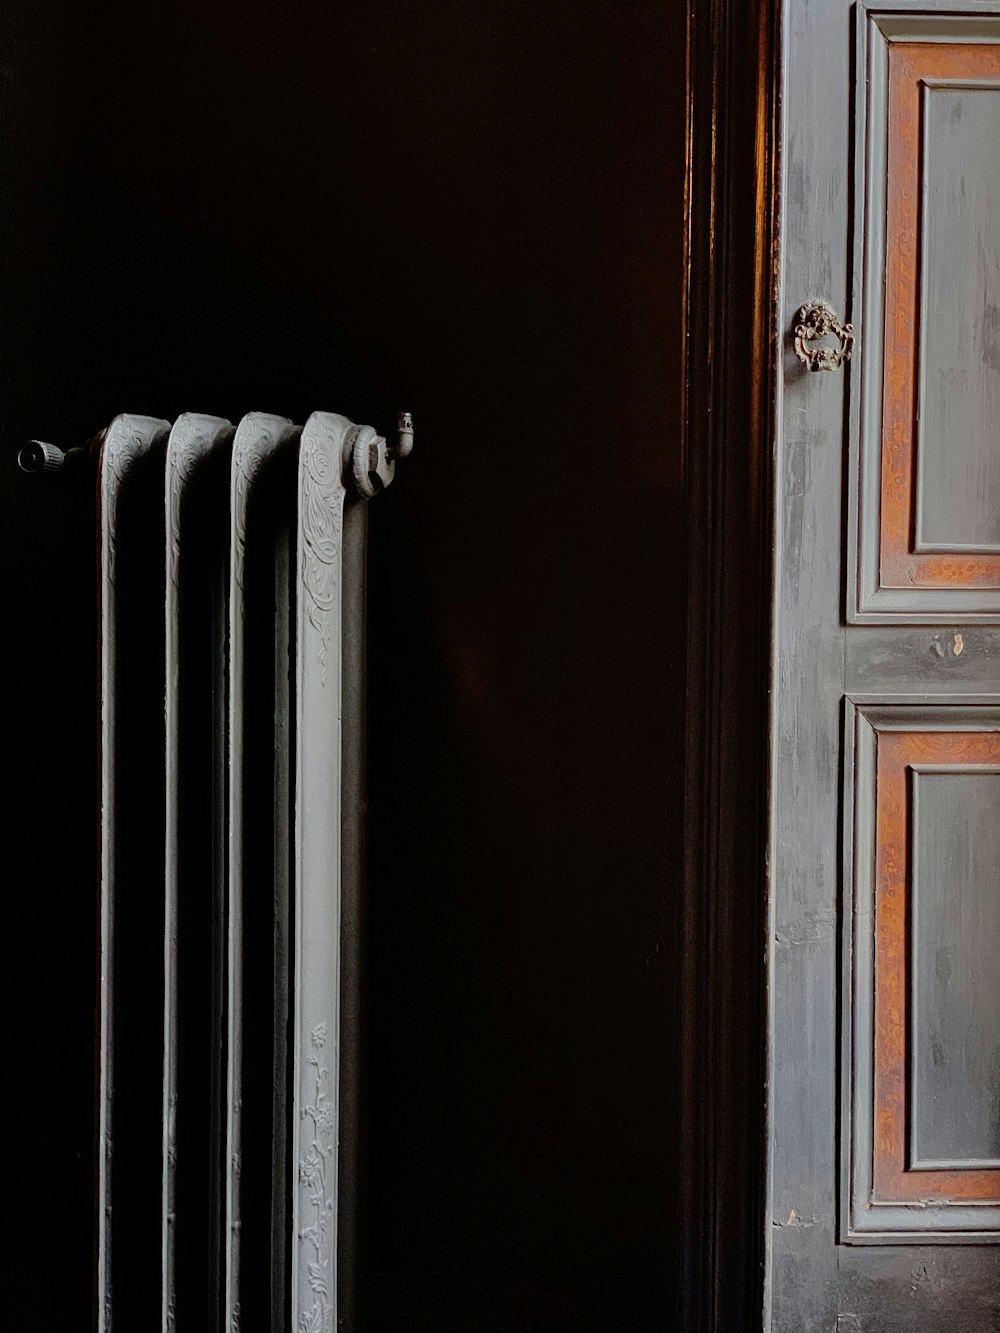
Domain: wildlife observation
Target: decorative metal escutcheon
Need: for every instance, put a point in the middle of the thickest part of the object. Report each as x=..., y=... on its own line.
x=818, y=320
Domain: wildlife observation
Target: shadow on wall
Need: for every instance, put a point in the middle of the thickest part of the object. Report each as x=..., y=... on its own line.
x=475, y=212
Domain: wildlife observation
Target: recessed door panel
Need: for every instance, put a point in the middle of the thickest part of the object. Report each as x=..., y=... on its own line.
x=927, y=255
x=957, y=499
x=924, y=809
x=954, y=958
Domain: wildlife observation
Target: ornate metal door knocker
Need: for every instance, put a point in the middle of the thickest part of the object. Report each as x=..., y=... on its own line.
x=818, y=320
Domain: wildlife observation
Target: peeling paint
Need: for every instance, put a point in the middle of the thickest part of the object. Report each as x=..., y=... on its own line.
x=795, y=1219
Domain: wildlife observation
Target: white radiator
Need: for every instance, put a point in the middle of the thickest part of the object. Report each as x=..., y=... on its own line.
x=232, y=597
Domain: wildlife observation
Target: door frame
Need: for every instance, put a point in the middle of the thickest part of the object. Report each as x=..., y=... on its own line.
x=732, y=356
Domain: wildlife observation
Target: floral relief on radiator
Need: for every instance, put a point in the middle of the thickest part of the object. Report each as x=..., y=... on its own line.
x=121, y=452
x=189, y=448
x=322, y=495
x=249, y=461
x=181, y=463
x=316, y=1175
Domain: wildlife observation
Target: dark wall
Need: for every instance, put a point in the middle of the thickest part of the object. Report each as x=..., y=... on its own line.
x=472, y=210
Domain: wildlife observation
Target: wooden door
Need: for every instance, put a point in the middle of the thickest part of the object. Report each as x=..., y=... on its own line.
x=884, y=1105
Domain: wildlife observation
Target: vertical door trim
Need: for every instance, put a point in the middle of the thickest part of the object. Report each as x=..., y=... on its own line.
x=732, y=357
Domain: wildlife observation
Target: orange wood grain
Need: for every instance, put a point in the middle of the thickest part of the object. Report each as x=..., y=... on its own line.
x=897, y=753
x=901, y=566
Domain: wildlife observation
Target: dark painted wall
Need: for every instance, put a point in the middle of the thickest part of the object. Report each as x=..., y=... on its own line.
x=472, y=210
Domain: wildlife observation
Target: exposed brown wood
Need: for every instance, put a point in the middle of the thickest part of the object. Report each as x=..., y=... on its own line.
x=730, y=373
x=901, y=566
x=898, y=752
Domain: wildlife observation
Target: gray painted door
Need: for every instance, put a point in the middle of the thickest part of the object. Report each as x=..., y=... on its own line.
x=884, y=1167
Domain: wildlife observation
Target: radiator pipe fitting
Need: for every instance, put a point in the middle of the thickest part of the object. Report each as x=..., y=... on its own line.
x=404, y=437
x=37, y=456
x=373, y=458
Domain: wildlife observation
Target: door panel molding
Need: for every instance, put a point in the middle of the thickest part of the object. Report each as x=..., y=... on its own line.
x=888, y=1194
x=904, y=423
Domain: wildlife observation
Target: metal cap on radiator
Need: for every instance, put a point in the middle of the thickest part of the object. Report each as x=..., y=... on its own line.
x=37, y=456
x=404, y=436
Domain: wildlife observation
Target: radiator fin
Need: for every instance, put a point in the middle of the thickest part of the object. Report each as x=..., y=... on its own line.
x=232, y=597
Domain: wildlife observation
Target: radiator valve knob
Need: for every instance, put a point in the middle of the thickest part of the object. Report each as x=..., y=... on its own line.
x=37, y=456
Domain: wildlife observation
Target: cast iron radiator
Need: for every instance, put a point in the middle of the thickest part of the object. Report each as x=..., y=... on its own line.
x=232, y=613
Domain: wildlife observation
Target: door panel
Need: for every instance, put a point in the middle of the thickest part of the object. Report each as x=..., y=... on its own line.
x=885, y=866
x=923, y=1017
x=927, y=249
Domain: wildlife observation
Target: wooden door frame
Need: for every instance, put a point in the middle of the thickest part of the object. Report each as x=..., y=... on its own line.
x=731, y=363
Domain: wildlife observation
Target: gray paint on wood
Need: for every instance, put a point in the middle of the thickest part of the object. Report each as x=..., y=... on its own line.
x=964, y=659
x=958, y=386
x=805, y=739
x=870, y=133
x=863, y=1221
x=941, y=1289
x=819, y=941
x=936, y=21
x=866, y=600
x=954, y=950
